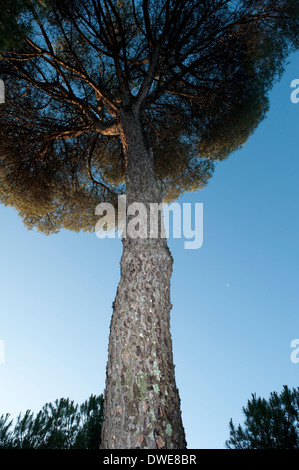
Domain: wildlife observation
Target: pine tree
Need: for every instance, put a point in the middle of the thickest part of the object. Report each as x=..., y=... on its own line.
x=109, y=97
x=269, y=424
x=58, y=425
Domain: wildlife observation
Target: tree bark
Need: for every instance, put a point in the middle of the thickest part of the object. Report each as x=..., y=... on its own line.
x=142, y=404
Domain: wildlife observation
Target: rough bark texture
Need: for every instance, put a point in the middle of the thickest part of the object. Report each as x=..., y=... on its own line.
x=142, y=405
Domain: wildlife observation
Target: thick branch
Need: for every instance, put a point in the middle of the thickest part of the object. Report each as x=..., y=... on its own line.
x=149, y=77
x=92, y=144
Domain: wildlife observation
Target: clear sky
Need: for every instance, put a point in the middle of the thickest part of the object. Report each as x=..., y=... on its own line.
x=235, y=300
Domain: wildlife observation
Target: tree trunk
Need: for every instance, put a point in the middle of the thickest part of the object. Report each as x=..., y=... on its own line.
x=142, y=405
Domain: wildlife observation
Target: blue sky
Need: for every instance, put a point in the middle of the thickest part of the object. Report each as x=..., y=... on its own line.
x=235, y=300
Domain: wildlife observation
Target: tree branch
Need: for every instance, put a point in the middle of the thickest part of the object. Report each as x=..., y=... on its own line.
x=92, y=144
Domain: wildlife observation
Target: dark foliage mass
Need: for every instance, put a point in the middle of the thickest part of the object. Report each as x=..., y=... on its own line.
x=59, y=425
x=198, y=71
x=269, y=424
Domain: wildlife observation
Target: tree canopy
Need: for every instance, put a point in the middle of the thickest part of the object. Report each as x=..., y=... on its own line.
x=59, y=425
x=269, y=424
x=198, y=71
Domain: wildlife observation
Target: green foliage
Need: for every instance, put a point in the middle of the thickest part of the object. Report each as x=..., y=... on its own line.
x=199, y=72
x=59, y=425
x=15, y=22
x=269, y=424
x=12, y=28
